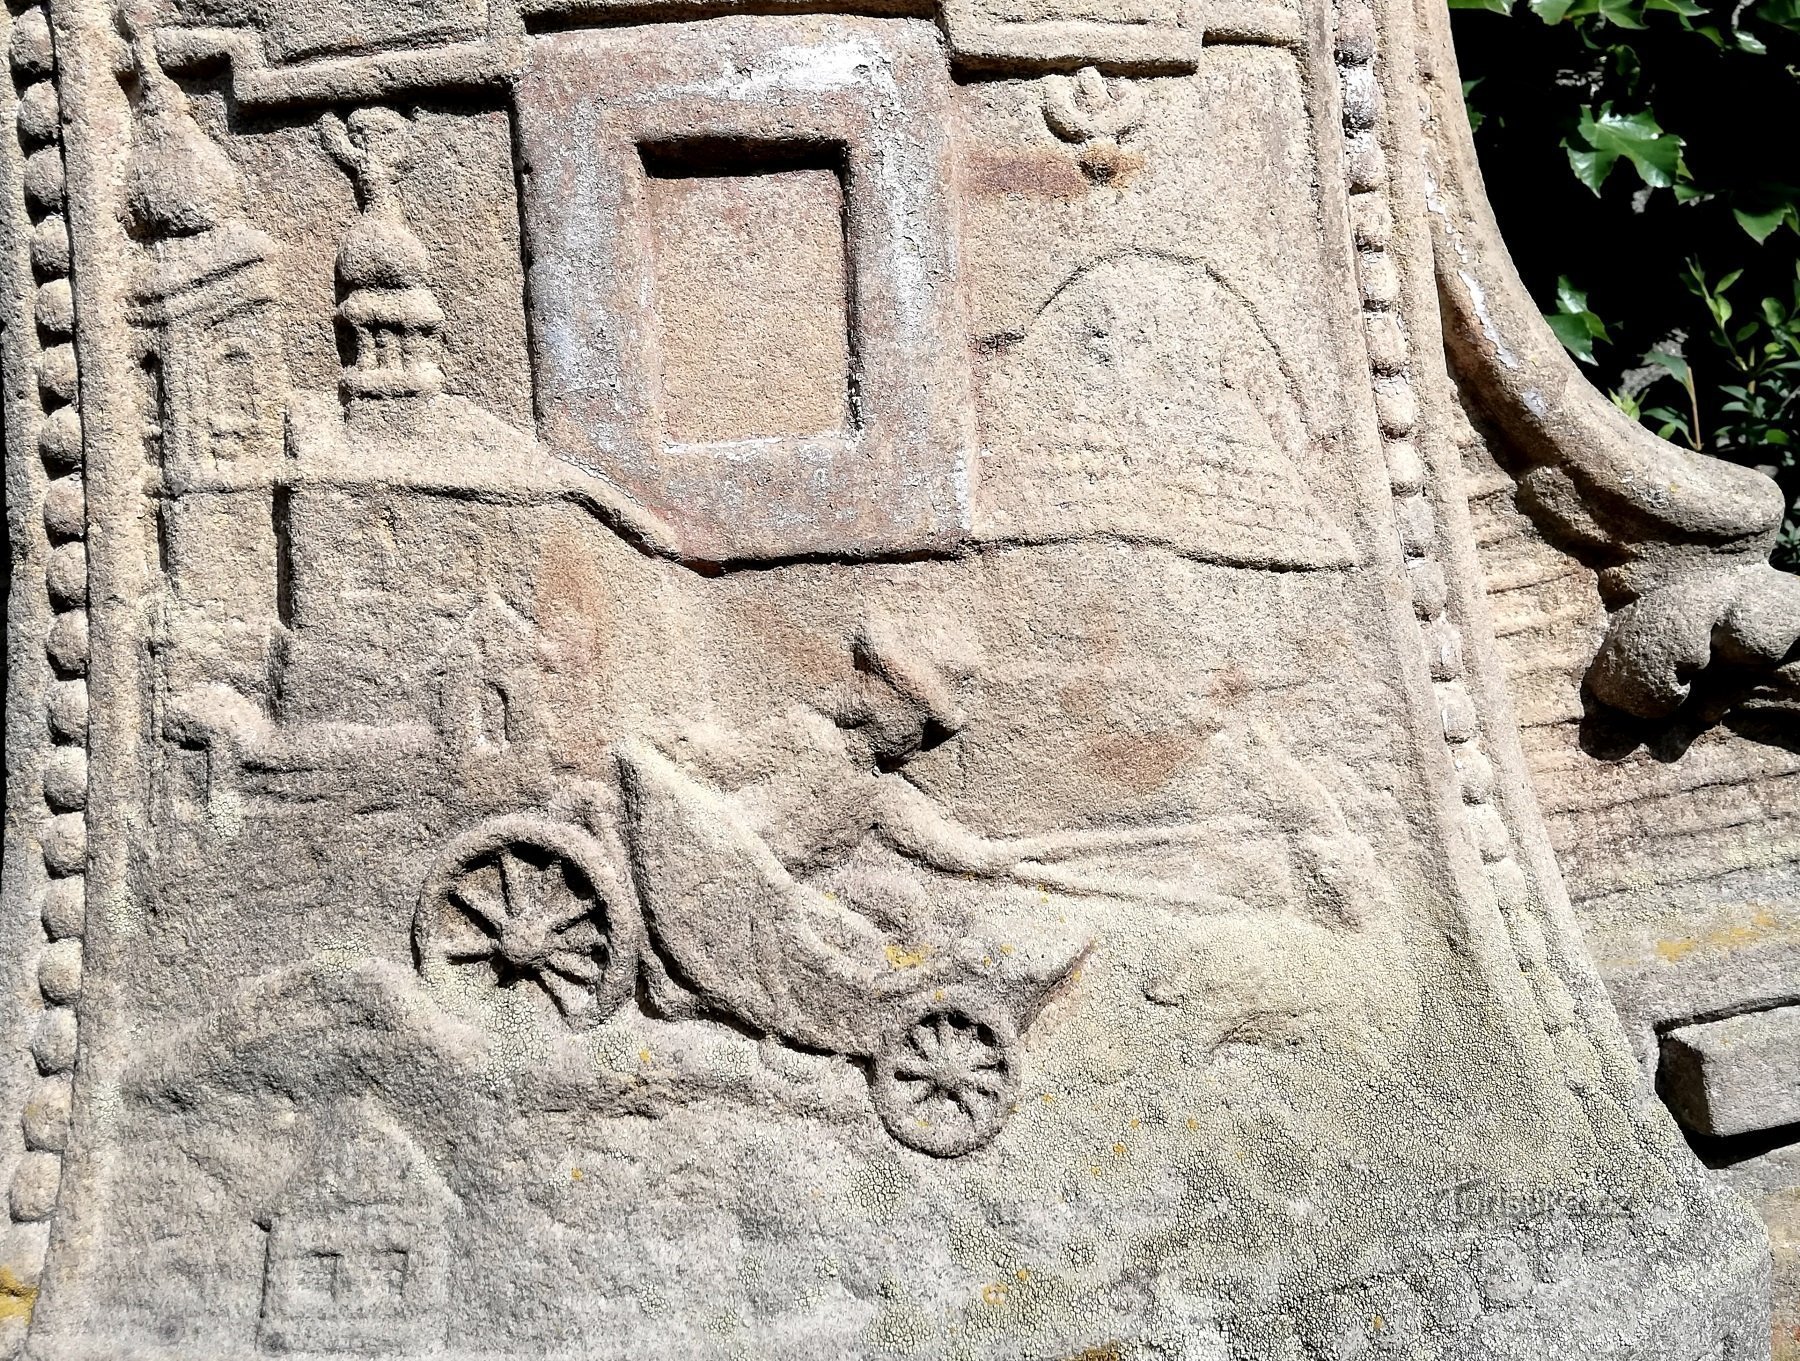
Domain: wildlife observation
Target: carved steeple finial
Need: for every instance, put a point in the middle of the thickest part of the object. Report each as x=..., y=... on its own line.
x=180, y=182
x=214, y=371
x=389, y=306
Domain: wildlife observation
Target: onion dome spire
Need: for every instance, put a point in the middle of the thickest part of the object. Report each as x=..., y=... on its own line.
x=388, y=305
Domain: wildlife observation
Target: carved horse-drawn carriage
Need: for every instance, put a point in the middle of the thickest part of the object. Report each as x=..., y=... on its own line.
x=687, y=892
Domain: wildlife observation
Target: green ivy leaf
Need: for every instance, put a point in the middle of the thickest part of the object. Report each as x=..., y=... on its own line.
x=1761, y=226
x=1621, y=14
x=1574, y=322
x=1476, y=116
x=1551, y=11
x=1590, y=167
x=1634, y=137
x=1574, y=334
x=1570, y=298
x=1497, y=6
x=1781, y=13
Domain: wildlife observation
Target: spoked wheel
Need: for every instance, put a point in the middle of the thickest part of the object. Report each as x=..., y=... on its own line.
x=525, y=902
x=947, y=1074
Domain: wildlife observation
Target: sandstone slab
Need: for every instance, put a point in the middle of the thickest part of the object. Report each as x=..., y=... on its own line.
x=712, y=681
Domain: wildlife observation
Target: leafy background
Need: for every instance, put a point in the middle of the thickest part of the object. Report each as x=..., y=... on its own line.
x=1643, y=158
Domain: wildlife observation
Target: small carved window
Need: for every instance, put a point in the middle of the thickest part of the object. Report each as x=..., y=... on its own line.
x=234, y=402
x=319, y=1276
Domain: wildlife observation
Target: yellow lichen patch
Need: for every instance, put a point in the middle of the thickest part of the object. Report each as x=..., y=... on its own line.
x=994, y=1293
x=643, y=1056
x=1193, y=1123
x=1110, y=1352
x=1118, y=1150
x=575, y=1174
x=1762, y=923
x=899, y=957
x=1022, y=1274
x=17, y=1299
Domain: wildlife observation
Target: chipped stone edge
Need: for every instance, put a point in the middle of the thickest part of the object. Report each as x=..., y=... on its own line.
x=46, y=848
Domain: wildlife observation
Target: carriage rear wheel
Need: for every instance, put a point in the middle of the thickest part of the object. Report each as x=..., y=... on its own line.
x=947, y=1073
x=528, y=902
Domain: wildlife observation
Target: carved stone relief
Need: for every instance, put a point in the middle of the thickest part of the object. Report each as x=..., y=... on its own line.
x=776, y=683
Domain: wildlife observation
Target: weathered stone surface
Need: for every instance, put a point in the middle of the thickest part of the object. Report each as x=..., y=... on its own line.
x=693, y=683
x=1736, y=1075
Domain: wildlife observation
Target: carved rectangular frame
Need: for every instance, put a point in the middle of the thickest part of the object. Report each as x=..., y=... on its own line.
x=876, y=93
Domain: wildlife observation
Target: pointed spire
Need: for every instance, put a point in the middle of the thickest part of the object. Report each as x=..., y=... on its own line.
x=389, y=306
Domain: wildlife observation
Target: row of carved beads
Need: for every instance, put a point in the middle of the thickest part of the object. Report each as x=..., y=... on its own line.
x=63, y=839
x=1397, y=412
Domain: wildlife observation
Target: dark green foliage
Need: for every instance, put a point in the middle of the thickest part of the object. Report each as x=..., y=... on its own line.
x=1643, y=157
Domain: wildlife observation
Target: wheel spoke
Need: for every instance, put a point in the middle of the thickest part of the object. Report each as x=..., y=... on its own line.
x=466, y=949
x=519, y=882
x=572, y=908
x=966, y=1098
x=582, y=935
x=909, y=1071
x=575, y=966
x=916, y=1094
x=569, y=997
x=477, y=906
x=941, y=1024
x=986, y=1082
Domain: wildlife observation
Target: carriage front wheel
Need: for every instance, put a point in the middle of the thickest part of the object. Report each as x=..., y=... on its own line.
x=529, y=902
x=946, y=1073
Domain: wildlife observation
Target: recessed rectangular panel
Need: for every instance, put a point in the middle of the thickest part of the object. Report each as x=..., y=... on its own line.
x=749, y=302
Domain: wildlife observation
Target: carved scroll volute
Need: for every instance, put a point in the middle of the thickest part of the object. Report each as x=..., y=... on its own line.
x=1681, y=539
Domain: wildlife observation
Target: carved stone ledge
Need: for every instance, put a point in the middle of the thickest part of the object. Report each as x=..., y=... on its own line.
x=263, y=75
